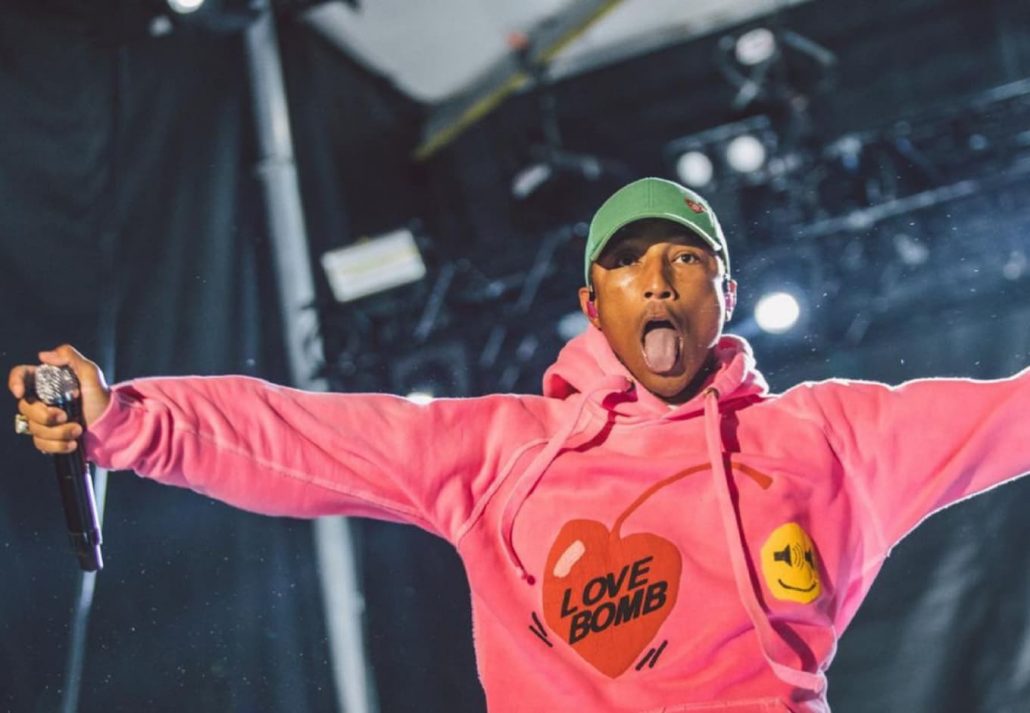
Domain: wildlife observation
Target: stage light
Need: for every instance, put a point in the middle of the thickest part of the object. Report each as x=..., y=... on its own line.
x=726, y=155
x=571, y=325
x=160, y=26
x=695, y=169
x=420, y=397
x=529, y=179
x=777, y=312
x=185, y=7
x=1016, y=266
x=848, y=150
x=755, y=47
x=912, y=252
x=745, y=154
x=373, y=265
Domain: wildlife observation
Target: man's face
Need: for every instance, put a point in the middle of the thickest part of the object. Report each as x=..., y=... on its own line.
x=660, y=302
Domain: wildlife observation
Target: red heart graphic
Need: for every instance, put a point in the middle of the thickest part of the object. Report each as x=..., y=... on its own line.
x=607, y=595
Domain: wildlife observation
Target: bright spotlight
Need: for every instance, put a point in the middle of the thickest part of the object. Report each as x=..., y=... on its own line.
x=755, y=47
x=184, y=7
x=694, y=169
x=420, y=397
x=745, y=154
x=777, y=312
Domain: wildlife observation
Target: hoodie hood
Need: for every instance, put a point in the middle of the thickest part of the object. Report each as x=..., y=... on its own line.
x=587, y=360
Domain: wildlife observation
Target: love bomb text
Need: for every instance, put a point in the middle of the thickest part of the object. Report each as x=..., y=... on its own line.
x=613, y=599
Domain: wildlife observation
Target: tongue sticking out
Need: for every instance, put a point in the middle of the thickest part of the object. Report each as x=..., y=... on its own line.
x=661, y=349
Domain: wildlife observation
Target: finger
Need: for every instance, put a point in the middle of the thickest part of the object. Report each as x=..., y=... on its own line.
x=87, y=372
x=64, y=355
x=64, y=432
x=17, y=379
x=39, y=412
x=54, y=447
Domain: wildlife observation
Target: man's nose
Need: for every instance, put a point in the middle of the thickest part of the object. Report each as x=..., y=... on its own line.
x=657, y=285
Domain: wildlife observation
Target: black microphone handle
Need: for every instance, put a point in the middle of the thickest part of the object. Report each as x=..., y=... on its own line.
x=80, y=510
x=77, y=498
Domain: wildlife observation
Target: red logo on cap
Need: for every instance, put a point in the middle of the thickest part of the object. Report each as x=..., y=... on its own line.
x=694, y=206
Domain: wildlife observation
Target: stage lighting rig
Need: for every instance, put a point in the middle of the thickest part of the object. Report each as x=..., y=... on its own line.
x=749, y=62
x=726, y=155
x=549, y=160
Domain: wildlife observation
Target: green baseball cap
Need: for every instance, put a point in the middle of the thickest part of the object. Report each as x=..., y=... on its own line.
x=654, y=198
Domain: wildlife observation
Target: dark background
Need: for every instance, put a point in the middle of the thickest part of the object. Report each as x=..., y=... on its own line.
x=127, y=180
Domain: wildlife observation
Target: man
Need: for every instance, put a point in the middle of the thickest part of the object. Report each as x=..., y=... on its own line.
x=656, y=532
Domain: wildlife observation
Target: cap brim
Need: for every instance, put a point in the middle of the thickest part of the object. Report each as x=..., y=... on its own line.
x=672, y=217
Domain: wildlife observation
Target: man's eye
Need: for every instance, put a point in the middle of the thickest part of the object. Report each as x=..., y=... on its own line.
x=624, y=260
x=689, y=258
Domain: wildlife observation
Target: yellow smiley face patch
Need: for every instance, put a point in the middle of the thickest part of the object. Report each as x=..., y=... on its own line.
x=789, y=565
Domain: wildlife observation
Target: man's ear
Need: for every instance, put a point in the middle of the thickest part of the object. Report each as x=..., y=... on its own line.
x=589, y=306
x=729, y=291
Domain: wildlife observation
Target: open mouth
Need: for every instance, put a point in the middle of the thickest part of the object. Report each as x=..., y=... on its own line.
x=661, y=345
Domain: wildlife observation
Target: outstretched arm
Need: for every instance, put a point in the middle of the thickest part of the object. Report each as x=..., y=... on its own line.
x=283, y=451
x=925, y=444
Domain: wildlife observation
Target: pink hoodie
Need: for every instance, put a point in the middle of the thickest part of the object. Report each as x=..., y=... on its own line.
x=623, y=555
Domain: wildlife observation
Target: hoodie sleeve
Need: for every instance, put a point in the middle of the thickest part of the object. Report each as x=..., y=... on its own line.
x=282, y=451
x=923, y=445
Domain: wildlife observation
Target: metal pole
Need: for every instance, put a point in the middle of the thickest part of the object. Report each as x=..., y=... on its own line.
x=333, y=543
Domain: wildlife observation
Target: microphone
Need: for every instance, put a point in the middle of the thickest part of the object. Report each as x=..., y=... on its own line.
x=57, y=386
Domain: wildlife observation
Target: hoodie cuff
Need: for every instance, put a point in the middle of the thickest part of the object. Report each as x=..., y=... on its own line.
x=118, y=422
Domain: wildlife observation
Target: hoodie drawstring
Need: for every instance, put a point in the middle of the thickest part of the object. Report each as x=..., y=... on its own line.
x=735, y=541
x=531, y=476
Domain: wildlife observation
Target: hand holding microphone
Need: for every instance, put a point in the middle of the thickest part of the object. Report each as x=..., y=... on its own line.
x=55, y=402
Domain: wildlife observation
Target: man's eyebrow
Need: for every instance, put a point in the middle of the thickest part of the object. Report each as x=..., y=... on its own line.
x=624, y=245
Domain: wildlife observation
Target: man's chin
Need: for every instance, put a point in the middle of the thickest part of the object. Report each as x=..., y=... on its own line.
x=677, y=386
x=669, y=385
x=666, y=386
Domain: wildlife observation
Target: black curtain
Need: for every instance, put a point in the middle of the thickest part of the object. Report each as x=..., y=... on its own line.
x=114, y=139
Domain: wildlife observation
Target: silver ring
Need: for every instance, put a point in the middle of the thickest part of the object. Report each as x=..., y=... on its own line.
x=21, y=425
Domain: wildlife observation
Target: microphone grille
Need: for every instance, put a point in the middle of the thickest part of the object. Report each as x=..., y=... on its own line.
x=55, y=385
